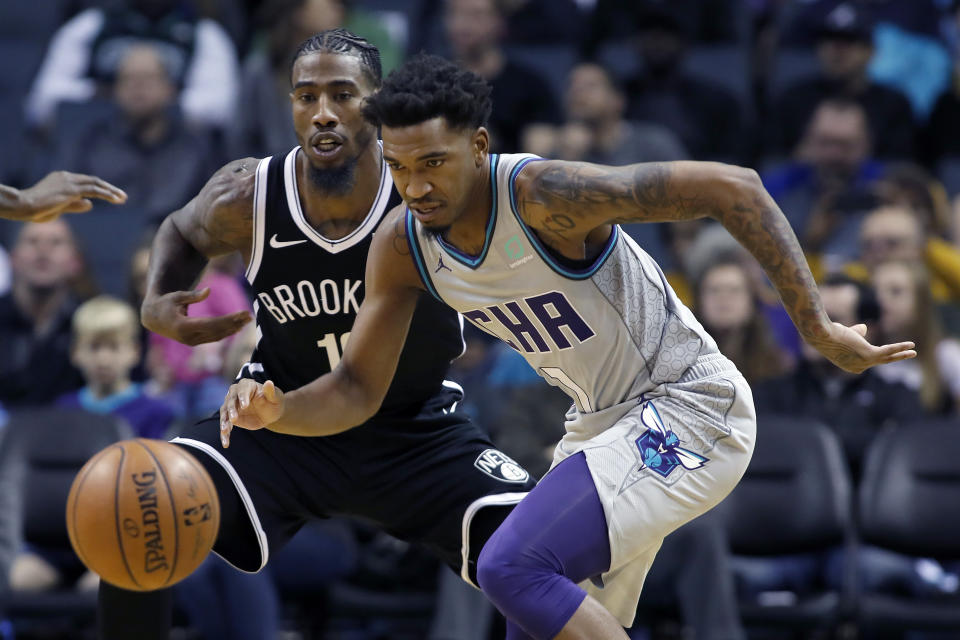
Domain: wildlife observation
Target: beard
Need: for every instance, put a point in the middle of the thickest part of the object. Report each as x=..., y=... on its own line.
x=334, y=181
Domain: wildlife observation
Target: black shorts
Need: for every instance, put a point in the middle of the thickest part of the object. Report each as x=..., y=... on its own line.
x=433, y=479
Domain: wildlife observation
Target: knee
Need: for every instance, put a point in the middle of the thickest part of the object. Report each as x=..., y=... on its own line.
x=506, y=566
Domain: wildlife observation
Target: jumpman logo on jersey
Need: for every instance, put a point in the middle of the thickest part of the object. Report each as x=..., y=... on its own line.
x=440, y=266
x=659, y=446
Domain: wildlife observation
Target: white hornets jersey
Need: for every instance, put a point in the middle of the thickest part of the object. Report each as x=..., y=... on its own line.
x=605, y=331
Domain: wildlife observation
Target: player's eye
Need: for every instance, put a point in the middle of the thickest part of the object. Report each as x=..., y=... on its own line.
x=434, y=162
x=344, y=95
x=305, y=97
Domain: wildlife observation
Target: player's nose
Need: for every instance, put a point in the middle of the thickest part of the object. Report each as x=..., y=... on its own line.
x=325, y=115
x=416, y=189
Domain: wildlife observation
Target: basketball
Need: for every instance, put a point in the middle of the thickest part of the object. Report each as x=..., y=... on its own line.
x=142, y=514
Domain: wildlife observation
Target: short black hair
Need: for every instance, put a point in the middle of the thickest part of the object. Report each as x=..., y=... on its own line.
x=343, y=42
x=427, y=87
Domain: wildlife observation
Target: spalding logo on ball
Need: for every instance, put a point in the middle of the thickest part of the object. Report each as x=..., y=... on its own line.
x=142, y=514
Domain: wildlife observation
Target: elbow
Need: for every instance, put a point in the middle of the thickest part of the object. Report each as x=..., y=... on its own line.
x=747, y=182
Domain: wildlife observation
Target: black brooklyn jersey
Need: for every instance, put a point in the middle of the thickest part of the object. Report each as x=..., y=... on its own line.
x=308, y=289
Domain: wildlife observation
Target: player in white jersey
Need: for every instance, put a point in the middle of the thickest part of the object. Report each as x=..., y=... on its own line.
x=662, y=426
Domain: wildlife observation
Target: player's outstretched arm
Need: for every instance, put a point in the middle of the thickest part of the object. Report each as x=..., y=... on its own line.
x=350, y=394
x=567, y=201
x=219, y=220
x=58, y=193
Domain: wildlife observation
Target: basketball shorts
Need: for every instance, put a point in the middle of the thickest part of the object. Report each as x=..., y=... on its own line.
x=433, y=479
x=659, y=461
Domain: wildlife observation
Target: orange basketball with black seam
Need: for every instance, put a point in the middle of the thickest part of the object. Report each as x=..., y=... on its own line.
x=142, y=514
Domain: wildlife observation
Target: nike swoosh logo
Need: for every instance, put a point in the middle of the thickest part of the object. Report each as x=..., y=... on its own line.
x=279, y=244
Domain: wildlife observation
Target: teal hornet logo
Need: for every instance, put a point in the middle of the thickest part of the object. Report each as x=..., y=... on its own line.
x=513, y=248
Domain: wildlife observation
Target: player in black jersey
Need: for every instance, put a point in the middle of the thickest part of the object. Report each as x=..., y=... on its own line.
x=303, y=223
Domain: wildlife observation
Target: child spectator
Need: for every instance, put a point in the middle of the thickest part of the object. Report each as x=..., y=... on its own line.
x=106, y=348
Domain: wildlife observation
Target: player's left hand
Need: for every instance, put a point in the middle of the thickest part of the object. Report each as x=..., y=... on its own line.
x=847, y=348
x=249, y=405
x=64, y=192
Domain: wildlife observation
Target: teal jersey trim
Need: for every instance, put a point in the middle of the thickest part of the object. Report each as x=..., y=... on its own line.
x=414, y=242
x=464, y=258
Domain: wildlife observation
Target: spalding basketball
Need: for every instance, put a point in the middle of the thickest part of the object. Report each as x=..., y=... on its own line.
x=142, y=514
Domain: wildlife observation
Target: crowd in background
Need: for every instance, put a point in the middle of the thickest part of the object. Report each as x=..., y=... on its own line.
x=849, y=110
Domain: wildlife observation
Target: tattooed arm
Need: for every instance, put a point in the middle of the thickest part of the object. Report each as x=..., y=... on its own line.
x=571, y=205
x=219, y=220
x=354, y=390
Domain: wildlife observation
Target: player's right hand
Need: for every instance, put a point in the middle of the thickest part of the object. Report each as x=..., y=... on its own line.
x=249, y=405
x=167, y=315
x=64, y=192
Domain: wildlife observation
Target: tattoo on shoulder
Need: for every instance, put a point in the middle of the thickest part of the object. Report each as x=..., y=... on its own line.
x=569, y=191
x=400, y=236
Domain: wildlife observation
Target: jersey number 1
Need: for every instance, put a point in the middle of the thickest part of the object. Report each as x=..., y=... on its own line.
x=329, y=344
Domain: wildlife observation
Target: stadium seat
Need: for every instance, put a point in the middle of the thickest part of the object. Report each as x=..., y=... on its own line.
x=40, y=453
x=909, y=502
x=794, y=499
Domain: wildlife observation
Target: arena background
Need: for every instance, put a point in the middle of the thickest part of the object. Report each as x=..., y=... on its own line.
x=847, y=524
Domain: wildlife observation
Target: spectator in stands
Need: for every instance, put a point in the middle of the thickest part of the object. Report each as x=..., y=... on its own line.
x=35, y=316
x=147, y=149
x=190, y=378
x=106, y=348
x=596, y=131
x=844, y=50
x=905, y=184
x=827, y=189
x=475, y=30
x=898, y=233
x=855, y=406
x=701, y=20
x=264, y=124
x=706, y=117
x=729, y=308
x=85, y=53
x=907, y=308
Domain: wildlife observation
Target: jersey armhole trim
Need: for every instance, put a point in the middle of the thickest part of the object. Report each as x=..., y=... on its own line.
x=567, y=272
x=414, y=243
x=259, y=219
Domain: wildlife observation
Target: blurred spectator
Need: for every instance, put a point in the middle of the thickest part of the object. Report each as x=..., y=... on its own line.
x=826, y=190
x=844, y=49
x=475, y=30
x=705, y=116
x=907, y=313
x=35, y=316
x=189, y=378
x=909, y=185
x=729, y=308
x=942, y=134
x=703, y=21
x=148, y=150
x=596, y=131
x=526, y=22
x=85, y=53
x=896, y=233
x=264, y=123
x=855, y=406
x=106, y=348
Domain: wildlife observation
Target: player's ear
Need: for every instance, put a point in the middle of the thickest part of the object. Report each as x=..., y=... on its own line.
x=481, y=145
